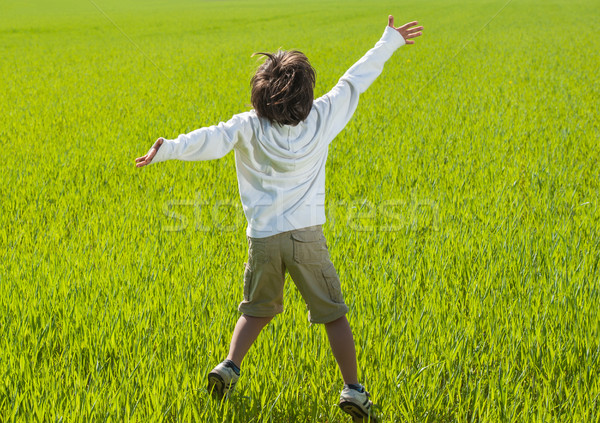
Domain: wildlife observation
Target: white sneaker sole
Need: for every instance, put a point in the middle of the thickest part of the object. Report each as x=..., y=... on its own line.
x=216, y=386
x=358, y=414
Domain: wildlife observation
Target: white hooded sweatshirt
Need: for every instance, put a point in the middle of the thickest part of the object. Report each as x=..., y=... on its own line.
x=281, y=168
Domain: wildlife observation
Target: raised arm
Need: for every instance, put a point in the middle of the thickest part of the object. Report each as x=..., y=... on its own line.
x=211, y=142
x=339, y=104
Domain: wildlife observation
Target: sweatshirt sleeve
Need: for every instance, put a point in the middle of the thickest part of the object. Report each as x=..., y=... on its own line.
x=208, y=143
x=339, y=104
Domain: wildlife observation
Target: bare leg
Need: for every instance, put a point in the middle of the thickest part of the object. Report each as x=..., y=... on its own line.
x=245, y=333
x=342, y=345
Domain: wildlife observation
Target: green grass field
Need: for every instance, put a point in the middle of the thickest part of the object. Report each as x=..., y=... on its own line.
x=462, y=204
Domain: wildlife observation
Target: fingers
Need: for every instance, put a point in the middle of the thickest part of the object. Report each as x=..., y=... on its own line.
x=409, y=30
x=142, y=161
x=413, y=34
x=415, y=29
x=408, y=25
x=147, y=158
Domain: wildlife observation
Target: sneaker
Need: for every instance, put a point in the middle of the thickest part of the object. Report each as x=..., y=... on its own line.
x=221, y=381
x=357, y=404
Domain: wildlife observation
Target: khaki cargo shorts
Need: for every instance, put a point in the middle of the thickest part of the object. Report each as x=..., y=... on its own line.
x=304, y=254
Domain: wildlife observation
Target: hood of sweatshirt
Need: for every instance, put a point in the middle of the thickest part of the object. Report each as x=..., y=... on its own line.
x=287, y=147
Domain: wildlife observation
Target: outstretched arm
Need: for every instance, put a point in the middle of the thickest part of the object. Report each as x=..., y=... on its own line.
x=208, y=143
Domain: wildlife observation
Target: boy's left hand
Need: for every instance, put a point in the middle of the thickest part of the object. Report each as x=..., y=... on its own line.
x=147, y=159
x=407, y=31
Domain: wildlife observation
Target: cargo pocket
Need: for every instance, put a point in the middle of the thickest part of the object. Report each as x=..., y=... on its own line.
x=309, y=247
x=332, y=281
x=247, y=283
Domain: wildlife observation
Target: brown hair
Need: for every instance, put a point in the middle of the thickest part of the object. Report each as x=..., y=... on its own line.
x=283, y=87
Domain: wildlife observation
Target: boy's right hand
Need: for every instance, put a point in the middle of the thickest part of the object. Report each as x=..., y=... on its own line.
x=147, y=159
x=407, y=30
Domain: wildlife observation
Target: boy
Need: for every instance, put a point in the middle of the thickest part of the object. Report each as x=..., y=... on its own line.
x=280, y=151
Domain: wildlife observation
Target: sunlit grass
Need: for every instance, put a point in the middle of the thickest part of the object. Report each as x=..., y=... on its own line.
x=462, y=213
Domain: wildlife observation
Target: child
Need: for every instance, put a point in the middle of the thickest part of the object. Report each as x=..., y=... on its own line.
x=280, y=152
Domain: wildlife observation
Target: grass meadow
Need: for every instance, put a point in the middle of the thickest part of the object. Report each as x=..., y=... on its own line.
x=462, y=201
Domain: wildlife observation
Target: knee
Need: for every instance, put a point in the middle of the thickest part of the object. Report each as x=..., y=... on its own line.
x=339, y=320
x=261, y=320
